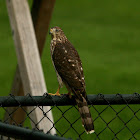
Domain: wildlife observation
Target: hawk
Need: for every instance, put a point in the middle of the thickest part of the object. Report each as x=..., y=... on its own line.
x=68, y=67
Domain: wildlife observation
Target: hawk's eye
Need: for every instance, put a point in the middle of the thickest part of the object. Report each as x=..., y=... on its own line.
x=56, y=30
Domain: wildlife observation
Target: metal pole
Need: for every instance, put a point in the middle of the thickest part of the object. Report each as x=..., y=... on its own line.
x=25, y=134
x=112, y=99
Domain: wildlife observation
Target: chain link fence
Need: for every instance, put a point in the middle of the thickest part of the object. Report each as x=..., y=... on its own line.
x=116, y=116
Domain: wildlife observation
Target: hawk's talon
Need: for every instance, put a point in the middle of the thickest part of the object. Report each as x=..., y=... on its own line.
x=56, y=94
x=69, y=95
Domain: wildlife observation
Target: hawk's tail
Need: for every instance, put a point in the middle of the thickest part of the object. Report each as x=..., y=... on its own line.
x=87, y=121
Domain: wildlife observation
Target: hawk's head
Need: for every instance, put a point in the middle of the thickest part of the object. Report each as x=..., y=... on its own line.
x=57, y=33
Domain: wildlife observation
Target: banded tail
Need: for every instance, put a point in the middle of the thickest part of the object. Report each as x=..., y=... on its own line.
x=86, y=118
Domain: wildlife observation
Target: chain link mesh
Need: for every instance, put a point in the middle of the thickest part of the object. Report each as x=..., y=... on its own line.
x=115, y=118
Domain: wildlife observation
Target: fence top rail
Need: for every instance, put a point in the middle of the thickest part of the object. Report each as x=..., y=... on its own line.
x=24, y=133
x=47, y=100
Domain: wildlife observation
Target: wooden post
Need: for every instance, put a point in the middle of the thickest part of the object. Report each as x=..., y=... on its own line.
x=41, y=15
x=17, y=89
x=28, y=58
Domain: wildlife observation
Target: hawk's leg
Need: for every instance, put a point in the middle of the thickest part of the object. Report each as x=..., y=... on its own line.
x=57, y=92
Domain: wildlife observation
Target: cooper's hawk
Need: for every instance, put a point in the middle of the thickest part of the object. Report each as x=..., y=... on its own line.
x=69, y=71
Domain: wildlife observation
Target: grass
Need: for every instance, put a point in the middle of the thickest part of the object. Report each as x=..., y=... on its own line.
x=106, y=35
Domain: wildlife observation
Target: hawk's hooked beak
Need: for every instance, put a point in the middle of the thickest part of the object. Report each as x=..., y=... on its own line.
x=51, y=31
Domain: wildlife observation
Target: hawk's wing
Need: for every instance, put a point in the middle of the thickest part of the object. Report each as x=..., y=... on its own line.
x=68, y=65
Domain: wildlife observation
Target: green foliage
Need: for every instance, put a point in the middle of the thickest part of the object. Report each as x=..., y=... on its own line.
x=106, y=35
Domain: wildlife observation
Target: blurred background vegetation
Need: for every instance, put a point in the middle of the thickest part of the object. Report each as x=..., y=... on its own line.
x=106, y=34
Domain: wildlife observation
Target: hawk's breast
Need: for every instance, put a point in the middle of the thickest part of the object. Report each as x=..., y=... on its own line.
x=68, y=65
